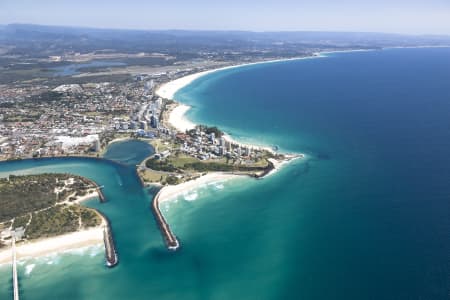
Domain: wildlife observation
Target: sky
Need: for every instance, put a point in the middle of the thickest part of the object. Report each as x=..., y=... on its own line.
x=394, y=16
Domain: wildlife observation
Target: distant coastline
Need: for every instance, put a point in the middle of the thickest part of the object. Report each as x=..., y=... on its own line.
x=169, y=89
x=177, y=113
x=178, y=120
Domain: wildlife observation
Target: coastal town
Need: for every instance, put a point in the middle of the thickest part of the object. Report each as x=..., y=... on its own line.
x=72, y=116
x=82, y=120
x=214, y=150
x=74, y=119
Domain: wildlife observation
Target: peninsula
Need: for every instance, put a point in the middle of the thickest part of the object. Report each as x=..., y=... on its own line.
x=185, y=154
x=188, y=155
x=44, y=214
x=59, y=101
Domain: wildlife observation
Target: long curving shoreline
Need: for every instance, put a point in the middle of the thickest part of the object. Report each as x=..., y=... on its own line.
x=177, y=114
x=177, y=119
x=169, y=89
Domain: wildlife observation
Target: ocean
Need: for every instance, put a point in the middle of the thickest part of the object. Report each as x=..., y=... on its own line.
x=364, y=216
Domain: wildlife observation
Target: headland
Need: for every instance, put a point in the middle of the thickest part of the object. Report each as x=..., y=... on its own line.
x=43, y=214
x=204, y=154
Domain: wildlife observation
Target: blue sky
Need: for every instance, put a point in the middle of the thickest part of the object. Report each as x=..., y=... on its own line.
x=401, y=16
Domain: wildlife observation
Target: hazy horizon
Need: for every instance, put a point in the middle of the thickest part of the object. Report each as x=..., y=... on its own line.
x=222, y=30
x=403, y=17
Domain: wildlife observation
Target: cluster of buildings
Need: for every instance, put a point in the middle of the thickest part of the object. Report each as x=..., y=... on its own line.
x=206, y=146
x=71, y=119
x=79, y=119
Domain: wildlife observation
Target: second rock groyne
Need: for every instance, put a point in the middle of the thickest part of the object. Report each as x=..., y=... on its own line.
x=98, y=188
x=171, y=240
x=112, y=259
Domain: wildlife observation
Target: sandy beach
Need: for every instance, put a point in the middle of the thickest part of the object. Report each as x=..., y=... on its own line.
x=177, y=116
x=172, y=191
x=178, y=119
x=278, y=164
x=169, y=89
x=42, y=247
x=80, y=199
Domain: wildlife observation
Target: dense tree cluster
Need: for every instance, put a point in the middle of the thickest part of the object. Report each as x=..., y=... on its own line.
x=20, y=195
x=168, y=165
x=31, y=202
x=206, y=129
x=160, y=165
x=61, y=219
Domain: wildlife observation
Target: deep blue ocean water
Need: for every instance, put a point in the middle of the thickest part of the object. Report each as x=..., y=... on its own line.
x=365, y=216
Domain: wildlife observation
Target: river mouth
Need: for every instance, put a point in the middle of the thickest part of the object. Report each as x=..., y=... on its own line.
x=364, y=216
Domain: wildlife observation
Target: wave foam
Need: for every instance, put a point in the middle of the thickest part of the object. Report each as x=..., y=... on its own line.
x=219, y=186
x=191, y=197
x=29, y=268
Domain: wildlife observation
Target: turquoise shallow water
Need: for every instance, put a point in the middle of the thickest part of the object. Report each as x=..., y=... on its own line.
x=365, y=216
x=129, y=152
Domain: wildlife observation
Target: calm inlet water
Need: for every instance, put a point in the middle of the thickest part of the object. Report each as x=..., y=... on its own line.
x=129, y=152
x=364, y=216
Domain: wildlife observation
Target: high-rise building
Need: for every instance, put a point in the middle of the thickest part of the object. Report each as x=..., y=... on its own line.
x=228, y=146
x=154, y=121
x=158, y=103
x=221, y=150
x=143, y=125
x=97, y=145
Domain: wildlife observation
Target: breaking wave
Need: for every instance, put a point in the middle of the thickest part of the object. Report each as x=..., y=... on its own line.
x=29, y=268
x=191, y=196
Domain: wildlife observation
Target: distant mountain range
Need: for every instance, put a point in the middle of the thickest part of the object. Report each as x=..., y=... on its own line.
x=42, y=37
